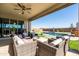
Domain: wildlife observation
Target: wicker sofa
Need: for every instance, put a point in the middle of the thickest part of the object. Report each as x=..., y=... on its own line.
x=27, y=49
x=45, y=49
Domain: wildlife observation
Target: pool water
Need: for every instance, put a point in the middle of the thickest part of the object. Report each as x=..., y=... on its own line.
x=56, y=33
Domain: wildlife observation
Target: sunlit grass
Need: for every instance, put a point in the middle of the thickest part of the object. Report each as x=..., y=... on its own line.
x=74, y=44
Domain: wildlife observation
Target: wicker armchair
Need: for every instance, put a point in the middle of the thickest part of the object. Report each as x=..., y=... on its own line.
x=45, y=49
x=27, y=49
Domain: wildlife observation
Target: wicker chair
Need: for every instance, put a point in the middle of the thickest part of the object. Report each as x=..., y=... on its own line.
x=27, y=49
x=45, y=49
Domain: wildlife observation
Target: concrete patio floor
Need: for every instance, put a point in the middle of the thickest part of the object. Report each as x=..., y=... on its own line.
x=4, y=47
x=4, y=51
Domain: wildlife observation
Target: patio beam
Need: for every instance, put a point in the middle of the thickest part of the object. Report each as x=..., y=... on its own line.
x=53, y=8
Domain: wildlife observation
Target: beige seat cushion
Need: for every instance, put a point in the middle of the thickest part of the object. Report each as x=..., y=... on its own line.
x=42, y=39
x=27, y=40
x=57, y=41
x=18, y=40
x=66, y=37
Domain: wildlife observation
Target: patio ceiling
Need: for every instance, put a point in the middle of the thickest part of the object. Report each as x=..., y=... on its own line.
x=37, y=10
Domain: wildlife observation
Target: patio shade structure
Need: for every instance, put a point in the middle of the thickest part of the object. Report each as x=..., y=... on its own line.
x=37, y=10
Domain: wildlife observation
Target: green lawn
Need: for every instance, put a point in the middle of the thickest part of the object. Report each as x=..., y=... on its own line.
x=74, y=44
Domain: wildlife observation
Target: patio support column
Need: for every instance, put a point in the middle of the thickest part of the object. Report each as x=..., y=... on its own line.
x=27, y=26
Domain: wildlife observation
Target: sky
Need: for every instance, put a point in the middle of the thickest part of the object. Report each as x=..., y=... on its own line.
x=59, y=19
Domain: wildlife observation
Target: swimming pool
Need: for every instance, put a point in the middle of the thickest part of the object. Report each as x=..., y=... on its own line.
x=55, y=34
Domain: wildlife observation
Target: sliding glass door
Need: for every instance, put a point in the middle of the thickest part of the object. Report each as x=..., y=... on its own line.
x=7, y=25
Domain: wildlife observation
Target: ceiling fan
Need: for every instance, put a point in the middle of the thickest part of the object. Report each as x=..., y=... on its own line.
x=23, y=8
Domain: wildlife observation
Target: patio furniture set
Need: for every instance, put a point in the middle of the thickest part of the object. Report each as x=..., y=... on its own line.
x=37, y=47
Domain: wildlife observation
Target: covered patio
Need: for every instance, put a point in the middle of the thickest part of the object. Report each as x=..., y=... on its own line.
x=25, y=12
x=36, y=10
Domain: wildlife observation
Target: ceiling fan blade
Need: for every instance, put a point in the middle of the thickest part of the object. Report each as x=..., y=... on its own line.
x=16, y=9
x=28, y=9
x=23, y=6
x=19, y=5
